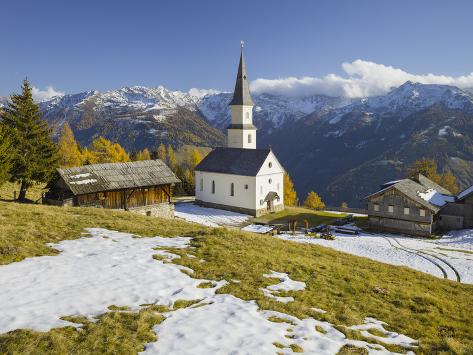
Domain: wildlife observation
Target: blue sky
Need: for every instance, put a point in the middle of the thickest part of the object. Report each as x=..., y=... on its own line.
x=83, y=45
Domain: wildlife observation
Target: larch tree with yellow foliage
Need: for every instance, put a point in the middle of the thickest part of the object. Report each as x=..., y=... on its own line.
x=161, y=152
x=290, y=194
x=314, y=201
x=68, y=149
x=108, y=152
x=143, y=155
x=171, y=158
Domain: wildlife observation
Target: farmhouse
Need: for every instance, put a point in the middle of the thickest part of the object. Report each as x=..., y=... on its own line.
x=459, y=213
x=143, y=186
x=410, y=206
x=240, y=177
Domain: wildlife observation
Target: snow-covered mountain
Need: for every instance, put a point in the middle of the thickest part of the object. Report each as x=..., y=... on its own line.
x=327, y=143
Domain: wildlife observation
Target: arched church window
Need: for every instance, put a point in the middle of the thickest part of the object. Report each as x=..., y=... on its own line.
x=232, y=189
x=270, y=164
x=201, y=184
x=247, y=115
x=213, y=186
x=249, y=138
x=270, y=180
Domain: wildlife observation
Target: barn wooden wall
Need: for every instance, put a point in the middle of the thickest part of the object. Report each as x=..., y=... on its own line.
x=124, y=199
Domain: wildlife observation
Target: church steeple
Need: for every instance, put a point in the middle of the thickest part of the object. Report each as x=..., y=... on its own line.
x=241, y=95
x=241, y=132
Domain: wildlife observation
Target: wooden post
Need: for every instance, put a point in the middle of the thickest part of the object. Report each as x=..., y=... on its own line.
x=14, y=195
x=306, y=226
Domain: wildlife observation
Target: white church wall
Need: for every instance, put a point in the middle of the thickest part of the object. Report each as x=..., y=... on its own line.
x=242, y=198
x=267, y=183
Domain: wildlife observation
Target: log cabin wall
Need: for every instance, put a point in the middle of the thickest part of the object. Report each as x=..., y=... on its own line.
x=124, y=199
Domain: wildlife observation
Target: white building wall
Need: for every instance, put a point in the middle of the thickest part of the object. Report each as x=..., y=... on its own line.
x=243, y=198
x=239, y=138
x=270, y=178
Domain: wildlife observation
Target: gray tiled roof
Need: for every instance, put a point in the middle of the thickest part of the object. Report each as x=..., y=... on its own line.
x=413, y=186
x=241, y=95
x=236, y=161
x=116, y=176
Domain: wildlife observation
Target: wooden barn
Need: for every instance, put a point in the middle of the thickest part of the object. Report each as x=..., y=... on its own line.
x=143, y=186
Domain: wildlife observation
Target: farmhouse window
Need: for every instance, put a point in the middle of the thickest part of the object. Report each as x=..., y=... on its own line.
x=406, y=210
x=390, y=208
x=376, y=207
x=422, y=212
x=213, y=186
x=232, y=189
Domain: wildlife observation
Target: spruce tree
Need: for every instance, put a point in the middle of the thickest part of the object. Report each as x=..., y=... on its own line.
x=35, y=156
x=5, y=154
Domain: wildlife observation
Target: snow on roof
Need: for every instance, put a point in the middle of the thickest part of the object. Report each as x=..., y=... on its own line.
x=435, y=198
x=465, y=193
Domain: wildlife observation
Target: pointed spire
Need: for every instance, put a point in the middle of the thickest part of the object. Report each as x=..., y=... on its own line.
x=241, y=95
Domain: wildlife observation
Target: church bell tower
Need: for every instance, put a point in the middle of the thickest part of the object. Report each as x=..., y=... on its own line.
x=241, y=132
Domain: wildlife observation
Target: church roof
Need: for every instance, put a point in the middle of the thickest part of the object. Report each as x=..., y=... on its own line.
x=241, y=95
x=235, y=161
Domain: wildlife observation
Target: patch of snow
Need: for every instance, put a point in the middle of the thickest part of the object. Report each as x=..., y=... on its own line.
x=224, y=324
x=348, y=213
x=80, y=176
x=435, y=198
x=90, y=274
x=392, y=338
x=318, y=310
x=210, y=217
x=83, y=182
x=286, y=284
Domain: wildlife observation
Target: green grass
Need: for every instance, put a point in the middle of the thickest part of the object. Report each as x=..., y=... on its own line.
x=415, y=304
x=432, y=310
x=33, y=193
x=26, y=228
x=300, y=214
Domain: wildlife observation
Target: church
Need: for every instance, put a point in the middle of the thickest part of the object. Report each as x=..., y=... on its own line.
x=240, y=177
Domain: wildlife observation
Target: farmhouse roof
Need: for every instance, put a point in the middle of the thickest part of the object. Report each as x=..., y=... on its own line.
x=422, y=190
x=235, y=161
x=117, y=176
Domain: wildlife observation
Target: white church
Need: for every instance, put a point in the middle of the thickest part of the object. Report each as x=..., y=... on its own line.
x=240, y=177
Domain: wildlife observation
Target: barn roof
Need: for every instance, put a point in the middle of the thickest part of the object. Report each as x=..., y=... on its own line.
x=422, y=190
x=116, y=176
x=235, y=161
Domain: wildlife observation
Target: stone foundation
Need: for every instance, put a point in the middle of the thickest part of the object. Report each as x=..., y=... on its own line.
x=163, y=210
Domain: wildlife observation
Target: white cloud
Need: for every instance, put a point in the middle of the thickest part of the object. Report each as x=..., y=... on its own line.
x=202, y=92
x=44, y=95
x=362, y=79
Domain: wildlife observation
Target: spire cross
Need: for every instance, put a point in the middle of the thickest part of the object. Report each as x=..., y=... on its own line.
x=242, y=44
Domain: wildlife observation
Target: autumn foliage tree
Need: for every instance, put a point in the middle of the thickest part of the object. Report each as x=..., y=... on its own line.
x=142, y=155
x=109, y=152
x=290, y=194
x=314, y=201
x=428, y=168
x=161, y=152
x=34, y=154
x=69, y=153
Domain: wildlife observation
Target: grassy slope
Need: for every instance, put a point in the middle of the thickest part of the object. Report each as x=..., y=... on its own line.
x=33, y=193
x=435, y=311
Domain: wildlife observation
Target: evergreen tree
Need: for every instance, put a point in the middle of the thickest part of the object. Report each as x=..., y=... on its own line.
x=171, y=158
x=108, y=152
x=290, y=194
x=314, y=201
x=5, y=154
x=69, y=152
x=161, y=152
x=35, y=156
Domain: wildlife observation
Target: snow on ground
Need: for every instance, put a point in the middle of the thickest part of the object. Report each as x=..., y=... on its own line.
x=224, y=324
x=402, y=250
x=111, y=268
x=210, y=217
x=349, y=213
x=90, y=274
x=285, y=284
x=257, y=228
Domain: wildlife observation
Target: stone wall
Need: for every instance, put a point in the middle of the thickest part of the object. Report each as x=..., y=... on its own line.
x=163, y=210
